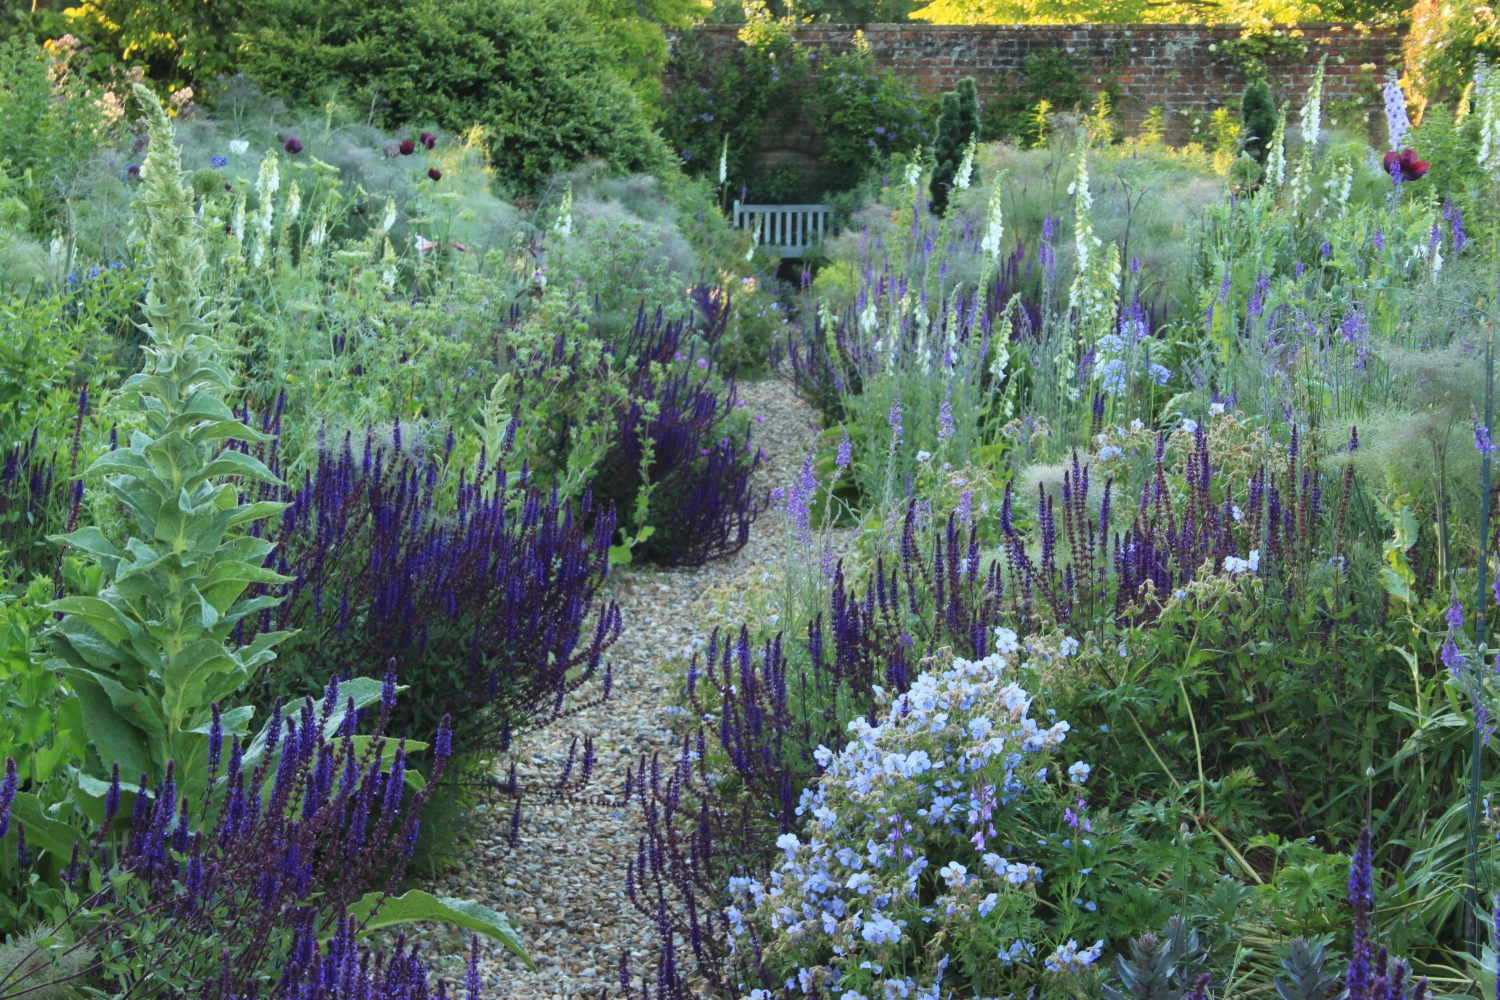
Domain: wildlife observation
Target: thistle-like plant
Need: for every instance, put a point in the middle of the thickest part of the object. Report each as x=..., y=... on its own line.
x=1306, y=978
x=1152, y=975
x=147, y=654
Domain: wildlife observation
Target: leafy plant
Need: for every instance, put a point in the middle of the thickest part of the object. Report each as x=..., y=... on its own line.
x=147, y=652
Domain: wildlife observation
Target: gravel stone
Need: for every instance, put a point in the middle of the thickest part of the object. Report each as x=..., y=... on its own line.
x=563, y=887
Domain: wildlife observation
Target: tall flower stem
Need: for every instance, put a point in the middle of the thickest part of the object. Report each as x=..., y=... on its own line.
x=1471, y=892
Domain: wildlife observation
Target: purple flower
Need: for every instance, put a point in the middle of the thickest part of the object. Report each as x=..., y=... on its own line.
x=1455, y=218
x=894, y=417
x=1379, y=240
x=945, y=420
x=1482, y=440
x=293, y=145
x=7, y=794
x=799, y=500
x=846, y=451
x=1362, y=901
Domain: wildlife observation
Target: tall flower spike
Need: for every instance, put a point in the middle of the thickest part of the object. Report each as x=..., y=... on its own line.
x=112, y=797
x=7, y=794
x=1362, y=902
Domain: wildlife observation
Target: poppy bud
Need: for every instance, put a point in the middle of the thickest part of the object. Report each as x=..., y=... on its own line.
x=408, y=147
x=428, y=140
x=293, y=145
x=435, y=174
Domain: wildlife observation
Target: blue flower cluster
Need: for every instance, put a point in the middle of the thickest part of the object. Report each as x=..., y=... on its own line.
x=910, y=802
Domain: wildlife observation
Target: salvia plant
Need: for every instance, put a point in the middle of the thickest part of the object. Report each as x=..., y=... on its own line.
x=298, y=834
x=679, y=467
x=481, y=586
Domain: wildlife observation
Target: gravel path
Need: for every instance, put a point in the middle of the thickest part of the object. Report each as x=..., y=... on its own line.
x=563, y=887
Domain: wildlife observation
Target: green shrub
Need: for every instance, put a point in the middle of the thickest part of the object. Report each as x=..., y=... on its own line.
x=866, y=115
x=534, y=74
x=50, y=127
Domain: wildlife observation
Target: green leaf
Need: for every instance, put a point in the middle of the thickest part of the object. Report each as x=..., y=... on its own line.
x=236, y=463
x=416, y=906
x=42, y=830
x=115, y=739
x=90, y=540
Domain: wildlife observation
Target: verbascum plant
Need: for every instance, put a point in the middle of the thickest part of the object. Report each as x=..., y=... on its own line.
x=147, y=654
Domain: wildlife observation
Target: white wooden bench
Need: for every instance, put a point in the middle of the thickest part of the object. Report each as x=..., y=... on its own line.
x=791, y=229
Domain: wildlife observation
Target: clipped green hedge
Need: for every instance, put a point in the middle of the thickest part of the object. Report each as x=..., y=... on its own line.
x=533, y=73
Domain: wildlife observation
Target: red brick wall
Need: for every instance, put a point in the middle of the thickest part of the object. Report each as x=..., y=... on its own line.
x=1175, y=66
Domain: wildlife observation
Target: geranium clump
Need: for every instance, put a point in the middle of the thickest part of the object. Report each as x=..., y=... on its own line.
x=901, y=845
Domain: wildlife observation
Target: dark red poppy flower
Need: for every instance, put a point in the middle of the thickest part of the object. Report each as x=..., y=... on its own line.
x=408, y=147
x=428, y=140
x=1412, y=169
x=435, y=173
x=293, y=145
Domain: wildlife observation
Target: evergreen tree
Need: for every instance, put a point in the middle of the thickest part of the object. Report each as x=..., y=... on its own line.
x=1258, y=113
x=958, y=123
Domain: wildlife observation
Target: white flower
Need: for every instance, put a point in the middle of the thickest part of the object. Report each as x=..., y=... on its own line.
x=913, y=174
x=1067, y=958
x=923, y=456
x=1238, y=514
x=1005, y=641
x=990, y=244
x=788, y=842
x=1110, y=451
x=1215, y=409
x=1190, y=425
x=1136, y=425
x=238, y=146
x=390, y=216
x=423, y=244
x=954, y=874
x=1234, y=565
x=1067, y=647
x=966, y=167
x=1079, y=772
